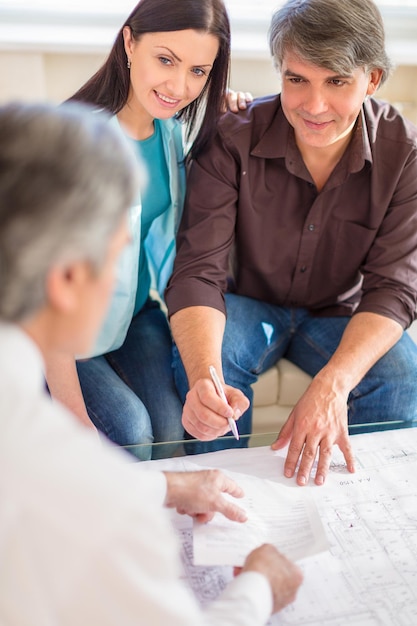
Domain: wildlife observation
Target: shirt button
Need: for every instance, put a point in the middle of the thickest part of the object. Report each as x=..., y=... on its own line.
x=311, y=227
x=303, y=269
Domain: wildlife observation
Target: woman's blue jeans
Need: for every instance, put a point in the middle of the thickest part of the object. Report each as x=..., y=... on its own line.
x=130, y=393
x=258, y=334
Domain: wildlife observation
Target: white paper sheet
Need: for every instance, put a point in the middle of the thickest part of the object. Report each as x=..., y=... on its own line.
x=286, y=517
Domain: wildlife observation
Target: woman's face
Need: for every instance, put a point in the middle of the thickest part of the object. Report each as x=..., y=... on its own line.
x=168, y=70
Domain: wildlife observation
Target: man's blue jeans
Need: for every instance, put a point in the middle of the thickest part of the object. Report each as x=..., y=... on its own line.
x=257, y=335
x=130, y=393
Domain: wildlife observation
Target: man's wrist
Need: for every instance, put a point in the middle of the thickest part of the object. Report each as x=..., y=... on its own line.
x=174, y=484
x=336, y=380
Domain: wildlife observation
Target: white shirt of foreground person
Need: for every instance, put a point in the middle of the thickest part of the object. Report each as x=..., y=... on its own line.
x=84, y=538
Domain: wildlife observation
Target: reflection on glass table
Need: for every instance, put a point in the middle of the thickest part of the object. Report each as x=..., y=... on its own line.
x=176, y=448
x=164, y=450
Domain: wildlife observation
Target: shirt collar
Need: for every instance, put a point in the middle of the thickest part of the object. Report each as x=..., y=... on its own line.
x=278, y=141
x=274, y=142
x=20, y=359
x=364, y=145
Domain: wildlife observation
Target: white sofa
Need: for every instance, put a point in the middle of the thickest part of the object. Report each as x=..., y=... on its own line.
x=277, y=390
x=275, y=393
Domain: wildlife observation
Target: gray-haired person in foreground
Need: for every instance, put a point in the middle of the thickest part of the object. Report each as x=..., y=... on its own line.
x=84, y=538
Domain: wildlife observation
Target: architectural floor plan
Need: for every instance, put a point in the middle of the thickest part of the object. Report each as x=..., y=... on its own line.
x=368, y=576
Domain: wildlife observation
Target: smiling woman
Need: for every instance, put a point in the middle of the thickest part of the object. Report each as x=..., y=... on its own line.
x=168, y=71
x=199, y=32
x=169, y=64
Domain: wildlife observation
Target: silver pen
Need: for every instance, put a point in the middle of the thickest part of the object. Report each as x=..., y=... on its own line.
x=219, y=388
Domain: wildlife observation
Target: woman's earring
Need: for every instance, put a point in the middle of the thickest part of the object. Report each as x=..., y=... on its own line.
x=129, y=64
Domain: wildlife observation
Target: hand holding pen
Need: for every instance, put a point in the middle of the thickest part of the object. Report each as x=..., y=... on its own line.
x=220, y=391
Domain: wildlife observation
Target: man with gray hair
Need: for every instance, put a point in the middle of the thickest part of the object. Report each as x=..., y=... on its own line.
x=314, y=191
x=84, y=538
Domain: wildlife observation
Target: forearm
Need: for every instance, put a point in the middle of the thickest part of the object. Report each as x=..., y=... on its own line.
x=64, y=385
x=366, y=339
x=198, y=332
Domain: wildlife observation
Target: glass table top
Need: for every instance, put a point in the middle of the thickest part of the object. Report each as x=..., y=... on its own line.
x=183, y=447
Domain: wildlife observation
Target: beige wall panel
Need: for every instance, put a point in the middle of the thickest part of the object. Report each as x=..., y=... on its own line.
x=401, y=90
x=65, y=73
x=255, y=75
x=22, y=76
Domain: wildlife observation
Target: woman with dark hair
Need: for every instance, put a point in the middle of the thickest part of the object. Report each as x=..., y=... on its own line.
x=111, y=87
x=169, y=64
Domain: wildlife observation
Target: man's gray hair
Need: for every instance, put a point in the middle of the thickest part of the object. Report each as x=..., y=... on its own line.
x=67, y=177
x=339, y=35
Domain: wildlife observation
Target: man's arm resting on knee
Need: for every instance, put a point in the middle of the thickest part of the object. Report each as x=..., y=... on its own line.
x=366, y=339
x=319, y=420
x=198, y=332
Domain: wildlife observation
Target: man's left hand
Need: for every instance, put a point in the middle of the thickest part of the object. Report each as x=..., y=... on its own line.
x=317, y=422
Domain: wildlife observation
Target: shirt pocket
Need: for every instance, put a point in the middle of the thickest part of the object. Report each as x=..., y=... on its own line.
x=348, y=248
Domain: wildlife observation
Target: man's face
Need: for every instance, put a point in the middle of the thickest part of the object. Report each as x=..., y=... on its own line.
x=320, y=105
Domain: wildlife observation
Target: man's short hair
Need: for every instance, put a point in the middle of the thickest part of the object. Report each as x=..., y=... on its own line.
x=67, y=176
x=339, y=35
